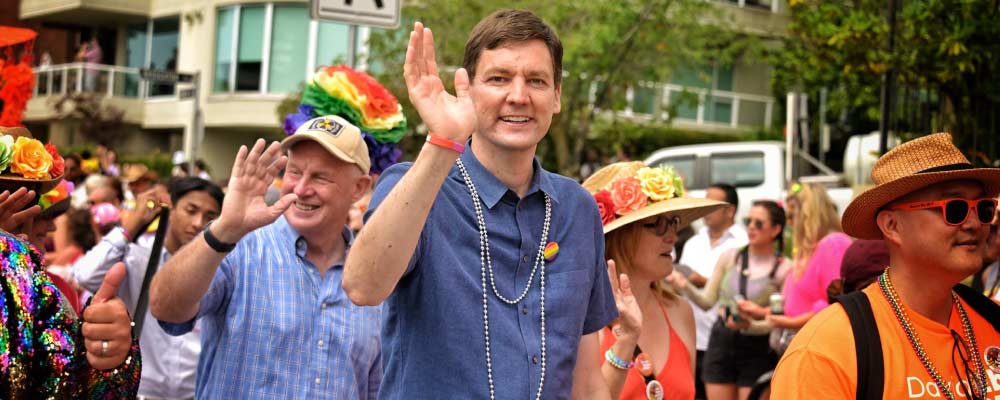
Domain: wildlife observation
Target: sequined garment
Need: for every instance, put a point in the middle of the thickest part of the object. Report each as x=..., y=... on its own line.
x=42, y=355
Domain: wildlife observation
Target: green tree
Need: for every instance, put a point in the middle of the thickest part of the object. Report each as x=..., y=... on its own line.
x=945, y=54
x=613, y=43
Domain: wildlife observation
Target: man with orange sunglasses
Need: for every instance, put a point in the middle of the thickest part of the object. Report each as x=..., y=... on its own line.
x=917, y=332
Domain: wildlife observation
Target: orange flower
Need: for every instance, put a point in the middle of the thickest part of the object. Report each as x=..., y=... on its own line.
x=627, y=195
x=30, y=159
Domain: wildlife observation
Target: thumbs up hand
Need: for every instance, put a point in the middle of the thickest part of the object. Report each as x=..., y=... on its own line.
x=107, y=327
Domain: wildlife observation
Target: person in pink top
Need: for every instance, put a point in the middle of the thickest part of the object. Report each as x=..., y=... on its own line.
x=819, y=250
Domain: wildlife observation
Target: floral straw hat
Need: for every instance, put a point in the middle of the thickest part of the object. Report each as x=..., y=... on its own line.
x=26, y=162
x=627, y=192
x=907, y=168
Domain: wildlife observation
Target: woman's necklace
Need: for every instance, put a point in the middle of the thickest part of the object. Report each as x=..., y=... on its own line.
x=487, y=266
x=977, y=382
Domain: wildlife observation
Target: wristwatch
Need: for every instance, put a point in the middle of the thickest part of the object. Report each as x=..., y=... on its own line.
x=214, y=242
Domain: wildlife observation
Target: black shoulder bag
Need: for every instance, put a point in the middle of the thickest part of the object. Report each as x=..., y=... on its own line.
x=151, y=266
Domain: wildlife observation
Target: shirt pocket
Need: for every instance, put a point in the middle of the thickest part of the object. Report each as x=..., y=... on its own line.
x=567, y=296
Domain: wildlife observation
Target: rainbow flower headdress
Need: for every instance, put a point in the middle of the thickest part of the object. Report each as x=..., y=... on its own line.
x=627, y=192
x=362, y=101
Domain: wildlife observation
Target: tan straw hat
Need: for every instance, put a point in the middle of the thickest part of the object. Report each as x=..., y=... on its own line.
x=630, y=191
x=911, y=166
x=12, y=181
x=336, y=135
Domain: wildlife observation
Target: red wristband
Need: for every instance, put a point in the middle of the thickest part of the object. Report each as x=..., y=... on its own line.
x=445, y=143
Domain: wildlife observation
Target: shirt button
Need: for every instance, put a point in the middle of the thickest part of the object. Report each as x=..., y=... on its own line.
x=323, y=306
x=524, y=310
x=317, y=381
x=525, y=258
x=319, y=343
x=534, y=359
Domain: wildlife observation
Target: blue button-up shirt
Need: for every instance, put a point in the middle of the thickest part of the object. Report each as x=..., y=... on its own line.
x=273, y=328
x=433, y=340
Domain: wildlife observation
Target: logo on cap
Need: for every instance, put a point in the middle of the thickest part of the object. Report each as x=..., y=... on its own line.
x=327, y=125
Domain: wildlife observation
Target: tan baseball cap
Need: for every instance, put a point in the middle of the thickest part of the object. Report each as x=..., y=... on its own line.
x=336, y=135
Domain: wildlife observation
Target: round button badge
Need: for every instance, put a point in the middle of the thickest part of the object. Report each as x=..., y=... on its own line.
x=654, y=390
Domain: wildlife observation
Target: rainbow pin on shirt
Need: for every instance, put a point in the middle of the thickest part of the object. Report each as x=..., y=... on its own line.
x=551, y=251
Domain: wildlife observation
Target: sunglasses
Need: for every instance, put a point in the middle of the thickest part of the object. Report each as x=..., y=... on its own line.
x=956, y=211
x=971, y=387
x=756, y=223
x=664, y=224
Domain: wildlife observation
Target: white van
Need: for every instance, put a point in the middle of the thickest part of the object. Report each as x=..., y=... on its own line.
x=756, y=169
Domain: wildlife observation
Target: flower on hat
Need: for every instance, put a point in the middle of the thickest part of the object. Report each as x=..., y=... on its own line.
x=627, y=195
x=30, y=159
x=656, y=183
x=6, y=151
x=58, y=164
x=637, y=188
x=606, y=206
x=57, y=194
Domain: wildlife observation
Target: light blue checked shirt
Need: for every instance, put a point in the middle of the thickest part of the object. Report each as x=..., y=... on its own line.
x=272, y=328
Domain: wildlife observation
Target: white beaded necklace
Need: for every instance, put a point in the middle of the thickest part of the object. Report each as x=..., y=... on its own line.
x=487, y=265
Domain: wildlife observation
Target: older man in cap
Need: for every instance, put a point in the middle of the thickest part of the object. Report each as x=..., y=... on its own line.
x=916, y=332
x=265, y=280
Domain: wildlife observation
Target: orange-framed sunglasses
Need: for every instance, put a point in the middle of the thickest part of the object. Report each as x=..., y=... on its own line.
x=956, y=211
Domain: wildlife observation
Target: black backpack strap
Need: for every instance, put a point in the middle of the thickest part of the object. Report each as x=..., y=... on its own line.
x=867, y=345
x=744, y=256
x=986, y=308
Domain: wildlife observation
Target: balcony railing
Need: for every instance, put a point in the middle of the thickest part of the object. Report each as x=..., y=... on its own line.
x=109, y=80
x=650, y=100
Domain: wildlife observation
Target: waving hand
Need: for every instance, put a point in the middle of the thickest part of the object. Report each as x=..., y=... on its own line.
x=452, y=117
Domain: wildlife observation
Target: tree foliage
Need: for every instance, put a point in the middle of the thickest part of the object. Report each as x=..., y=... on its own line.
x=614, y=43
x=946, y=58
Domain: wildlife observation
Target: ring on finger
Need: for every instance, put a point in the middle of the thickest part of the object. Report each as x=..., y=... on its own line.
x=104, y=348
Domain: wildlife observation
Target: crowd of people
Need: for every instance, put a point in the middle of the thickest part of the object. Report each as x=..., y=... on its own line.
x=322, y=270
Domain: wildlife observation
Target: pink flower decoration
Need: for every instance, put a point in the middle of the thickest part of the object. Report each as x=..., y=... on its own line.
x=627, y=195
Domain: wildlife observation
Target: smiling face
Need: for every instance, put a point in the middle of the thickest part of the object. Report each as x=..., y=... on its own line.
x=326, y=187
x=515, y=95
x=924, y=239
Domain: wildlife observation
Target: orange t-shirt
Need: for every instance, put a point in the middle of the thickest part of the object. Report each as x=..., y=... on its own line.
x=821, y=362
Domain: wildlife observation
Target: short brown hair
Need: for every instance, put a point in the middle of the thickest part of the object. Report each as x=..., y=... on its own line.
x=504, y=26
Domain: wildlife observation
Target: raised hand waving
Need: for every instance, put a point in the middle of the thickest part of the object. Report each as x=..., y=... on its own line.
x=243, y=208
x=448, y=116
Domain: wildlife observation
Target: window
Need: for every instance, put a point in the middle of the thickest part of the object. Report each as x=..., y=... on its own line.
x=291, y=25
x=738, y=169
x=223, y=49
x=684, y=167
x=152, y=44
x=710, y=78
x=271, y=48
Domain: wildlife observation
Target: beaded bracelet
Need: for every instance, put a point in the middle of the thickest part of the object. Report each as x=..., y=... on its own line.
x=616, y=362
x=445, y=143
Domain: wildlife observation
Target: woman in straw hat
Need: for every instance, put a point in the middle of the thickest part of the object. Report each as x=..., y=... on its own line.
x=925, y=335
x=738, y=352
x=641, y=209
x=44, y=352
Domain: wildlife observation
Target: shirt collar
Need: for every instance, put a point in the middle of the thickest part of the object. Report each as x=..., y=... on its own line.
x=300, y=242
x=491, y=190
